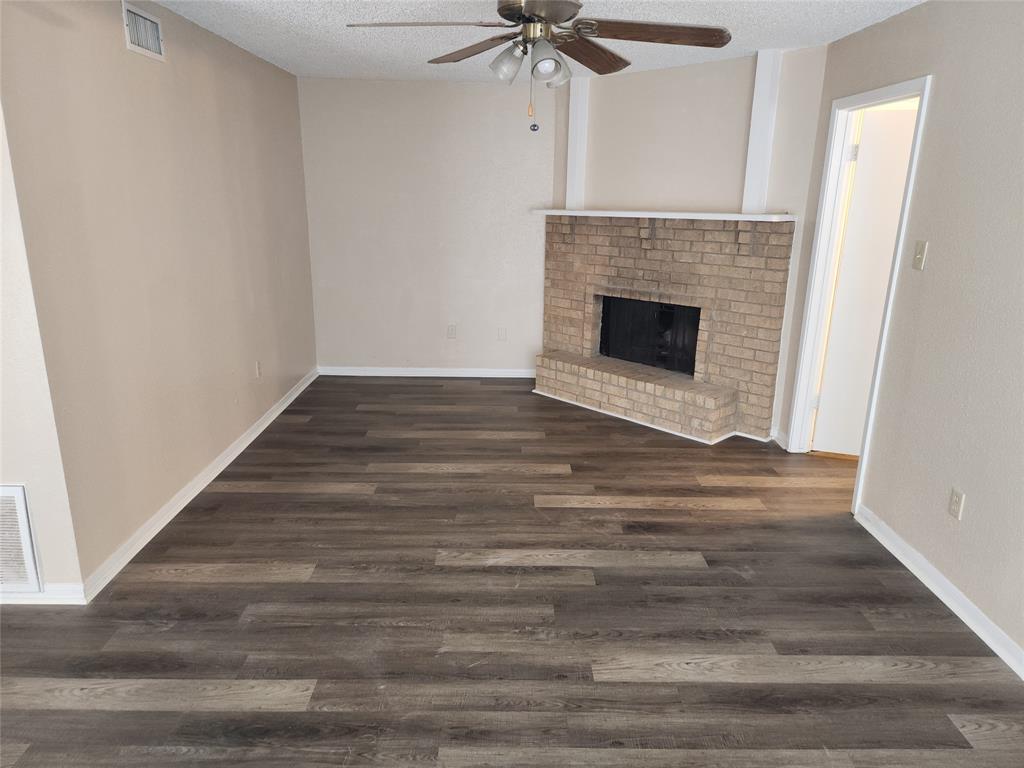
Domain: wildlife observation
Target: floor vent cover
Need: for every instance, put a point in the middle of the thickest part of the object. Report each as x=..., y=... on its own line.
x=17, y=559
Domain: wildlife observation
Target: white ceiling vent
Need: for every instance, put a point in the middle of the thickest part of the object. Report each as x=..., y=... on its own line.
x=17, y=558
x=142, y=32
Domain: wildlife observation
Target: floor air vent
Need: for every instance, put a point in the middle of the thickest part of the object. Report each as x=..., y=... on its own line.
x=17, y=558
x=142, y=32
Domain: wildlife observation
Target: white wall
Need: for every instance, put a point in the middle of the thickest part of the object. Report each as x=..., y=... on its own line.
x=29, y=450
x=789, y=181
x=865, y=262
x=419, y=198
x=950, y=407
x=672, y=139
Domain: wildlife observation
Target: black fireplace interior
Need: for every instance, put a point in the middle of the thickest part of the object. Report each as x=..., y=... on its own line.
x=649, y=332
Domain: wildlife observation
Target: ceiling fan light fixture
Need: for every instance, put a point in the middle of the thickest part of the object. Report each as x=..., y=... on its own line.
x=508, y=63
x=564, y=76
x=546, y=63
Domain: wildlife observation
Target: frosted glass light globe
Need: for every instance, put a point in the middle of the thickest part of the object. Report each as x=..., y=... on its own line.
x=546, y=67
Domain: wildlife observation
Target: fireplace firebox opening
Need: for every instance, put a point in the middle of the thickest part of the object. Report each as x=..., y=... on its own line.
x=650, y=332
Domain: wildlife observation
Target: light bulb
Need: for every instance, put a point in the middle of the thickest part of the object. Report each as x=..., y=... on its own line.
x=564, y=76
x=545, y=62
x=546, y=67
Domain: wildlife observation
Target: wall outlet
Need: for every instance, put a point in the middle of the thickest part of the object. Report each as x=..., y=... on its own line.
x=956, y=503
x=503, y=334
x=259, y=370
x=452, y=331
x=920, y=254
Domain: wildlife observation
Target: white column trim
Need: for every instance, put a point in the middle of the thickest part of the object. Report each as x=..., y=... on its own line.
x=576, y=152
x=765, y=104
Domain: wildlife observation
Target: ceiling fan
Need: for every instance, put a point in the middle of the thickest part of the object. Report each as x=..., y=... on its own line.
x=548, y=28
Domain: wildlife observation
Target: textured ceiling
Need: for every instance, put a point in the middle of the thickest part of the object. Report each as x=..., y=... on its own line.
x=310, y=37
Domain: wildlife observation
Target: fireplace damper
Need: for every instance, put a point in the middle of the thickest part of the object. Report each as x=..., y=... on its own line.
x=650, y=332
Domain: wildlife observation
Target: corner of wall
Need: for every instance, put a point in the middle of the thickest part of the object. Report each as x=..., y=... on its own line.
x=30, y=453
x=790, y=188
x=990, y=633
x=101, y=576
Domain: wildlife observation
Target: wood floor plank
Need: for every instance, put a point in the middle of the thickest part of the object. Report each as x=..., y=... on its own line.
x=482, y=695
x=440, y=614
x=648, y=502
x=437, y=409
x=31, y=693
x=992, y=731
x=292, y=418
x=265, y=572
x=641, y=666
x=466, y=468
x=774, y=481
x=11, y=752
x=420, y=572
x=587, y=558
x=592, y=757
x=281, y=486
x=452, y=579
x=894, y=729
x=543, y=641
x=209, y=757
x=929, y=758
x=455, y=434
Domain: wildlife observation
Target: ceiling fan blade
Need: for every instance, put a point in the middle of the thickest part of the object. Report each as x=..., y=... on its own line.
x=593, y=56
x=434, y=24
x=473, y=50
x=673, y=34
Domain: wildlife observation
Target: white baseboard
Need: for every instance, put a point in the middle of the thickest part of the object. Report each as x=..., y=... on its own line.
x=782, y=439
x=995, y=638
x=99, y=578
x=652, y=426
x=460, y=373
x=52, y=594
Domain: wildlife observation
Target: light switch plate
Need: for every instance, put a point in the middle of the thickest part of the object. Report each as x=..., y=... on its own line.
x=920, y=254
x=452, y=331
x=956, y=503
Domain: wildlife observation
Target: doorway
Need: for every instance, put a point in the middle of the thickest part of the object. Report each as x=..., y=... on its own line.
x=869, y=215
x=856, y=260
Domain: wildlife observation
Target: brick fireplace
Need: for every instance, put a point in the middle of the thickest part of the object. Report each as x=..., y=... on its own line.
x=733, y=270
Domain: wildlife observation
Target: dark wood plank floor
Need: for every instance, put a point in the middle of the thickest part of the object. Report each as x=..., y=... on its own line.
x=460, y=573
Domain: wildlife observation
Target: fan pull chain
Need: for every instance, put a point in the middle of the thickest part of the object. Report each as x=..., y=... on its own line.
x=529, y=110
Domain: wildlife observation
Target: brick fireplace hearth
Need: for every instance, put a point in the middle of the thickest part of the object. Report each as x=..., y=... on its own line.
x=735, y=271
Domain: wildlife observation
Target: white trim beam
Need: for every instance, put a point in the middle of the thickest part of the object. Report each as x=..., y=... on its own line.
x=576, y=150
x=763, y=108
x=710, y=216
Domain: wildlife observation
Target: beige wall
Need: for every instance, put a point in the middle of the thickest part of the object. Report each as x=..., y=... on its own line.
x=164, y=217
x=419, y=217
x=29, y=451
x=950, y=407
x=672, y=139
